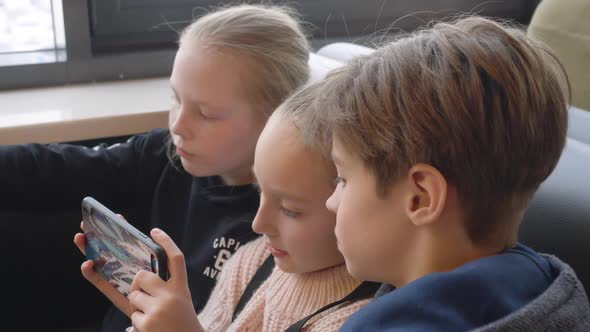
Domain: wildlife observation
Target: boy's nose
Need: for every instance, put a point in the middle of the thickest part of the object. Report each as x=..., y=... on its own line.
x=333, y=201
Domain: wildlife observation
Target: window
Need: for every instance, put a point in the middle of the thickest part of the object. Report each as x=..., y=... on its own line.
x=123, y=25
x=125, y=39
x=31, y=32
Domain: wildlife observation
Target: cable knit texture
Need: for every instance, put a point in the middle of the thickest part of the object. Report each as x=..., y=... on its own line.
x=283, y=299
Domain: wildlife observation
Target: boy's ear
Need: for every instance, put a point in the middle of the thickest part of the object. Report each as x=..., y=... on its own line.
x=427, y=195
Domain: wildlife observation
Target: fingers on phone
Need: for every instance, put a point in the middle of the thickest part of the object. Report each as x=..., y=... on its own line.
x=87, y=270
x=108, y=289
x=82, y=225
x=80, y=242
x=105, y=287
x=91, y=275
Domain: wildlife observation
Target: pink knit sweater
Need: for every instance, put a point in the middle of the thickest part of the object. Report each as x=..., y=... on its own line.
x=283, y=299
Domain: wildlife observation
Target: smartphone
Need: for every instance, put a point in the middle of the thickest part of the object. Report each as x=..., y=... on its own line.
x=118, y=249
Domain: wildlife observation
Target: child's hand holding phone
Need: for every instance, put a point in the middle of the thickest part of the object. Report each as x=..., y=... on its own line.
x=109, y=290
x=164, y=305
x=153, y=304
x=116, y=251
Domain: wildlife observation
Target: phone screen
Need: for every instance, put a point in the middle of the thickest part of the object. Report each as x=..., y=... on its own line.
x=117, y=253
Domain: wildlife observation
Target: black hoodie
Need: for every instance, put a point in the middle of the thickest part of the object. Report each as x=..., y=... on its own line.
x=208, y=220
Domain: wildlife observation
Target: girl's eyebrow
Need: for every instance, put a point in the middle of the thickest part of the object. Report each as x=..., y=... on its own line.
x=278, y=193
x=286, y=196
x=198, y=102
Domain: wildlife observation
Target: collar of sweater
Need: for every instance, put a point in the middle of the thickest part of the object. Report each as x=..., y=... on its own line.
x=304, y=293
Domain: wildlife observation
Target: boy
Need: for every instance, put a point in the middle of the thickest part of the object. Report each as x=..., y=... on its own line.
x=440, y=140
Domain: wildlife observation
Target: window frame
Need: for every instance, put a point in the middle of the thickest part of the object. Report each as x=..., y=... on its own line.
x=81, y=65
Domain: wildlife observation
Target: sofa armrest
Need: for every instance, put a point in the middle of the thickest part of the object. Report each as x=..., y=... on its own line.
x=343, y=51
x=579, y=124
x=558, y=218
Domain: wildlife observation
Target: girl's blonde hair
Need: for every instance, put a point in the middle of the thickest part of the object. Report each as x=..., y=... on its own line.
x=301, y=105
x=269, y=36
x=270, y=41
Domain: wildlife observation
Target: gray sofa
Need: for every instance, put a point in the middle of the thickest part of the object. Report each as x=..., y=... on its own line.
x=579, y=124
x=558, y=218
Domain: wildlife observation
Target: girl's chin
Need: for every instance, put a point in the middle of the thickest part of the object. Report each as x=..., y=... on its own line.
x=193, y=169
x=288, y=267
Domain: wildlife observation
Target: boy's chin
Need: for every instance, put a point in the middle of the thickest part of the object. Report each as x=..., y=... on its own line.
x=356, y=271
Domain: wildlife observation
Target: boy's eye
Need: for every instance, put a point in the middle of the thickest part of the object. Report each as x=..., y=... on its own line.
x=289, y=213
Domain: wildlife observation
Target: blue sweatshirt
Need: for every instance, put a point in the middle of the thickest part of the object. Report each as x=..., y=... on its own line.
x=491, y=294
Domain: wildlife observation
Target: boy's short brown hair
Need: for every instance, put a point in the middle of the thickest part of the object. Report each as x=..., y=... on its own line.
x=474, y=98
